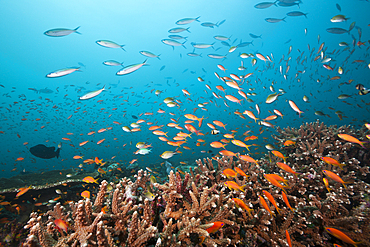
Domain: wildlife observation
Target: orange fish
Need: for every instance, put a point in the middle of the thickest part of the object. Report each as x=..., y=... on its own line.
x=20, y=159
x=342, y=236
x=288, y=238
x=85, y=194
x=279, y=155
x=98, y=142
x=331, y=161
x=229, y=173
x=102, y=130
x=76, y=157
x=233, y=99
x=264, y=204
x=241, y=172
x=251, y=115
x=285, y=198
x=66, y=139
x=335, y=177
x=248, y=159
x=277, y=112
x=240, y=144
x=217, y=145
x=89, y=180
x=295, y=107
x=227, y=153
x=83, y=143
x=271, y=199
x=273, y=181
x=286, y=168
x=159, y=133
x=101, y=171
x=219, y=124
x=351, y=139
x=61, y=225
x=22, y=191
x=234, y=186
x=97, y=161
x=216, y=226
x=288, y=143
x=239, y=203
x=326, y=182
x=277, y=178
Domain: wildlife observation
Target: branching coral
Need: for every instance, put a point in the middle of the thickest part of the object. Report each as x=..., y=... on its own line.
x=185, y=209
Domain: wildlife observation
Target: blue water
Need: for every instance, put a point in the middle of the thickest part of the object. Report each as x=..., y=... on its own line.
x=27, y=56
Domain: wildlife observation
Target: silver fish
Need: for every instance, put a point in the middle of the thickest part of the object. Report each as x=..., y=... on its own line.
x=92, y=94
x=172, y=42
x=112, y=63
x=221, y=38
x=60, y=32
x=149, y=54
x=216, y=56
x=178, y=30
x=187, y=21
x=62, y=72
x=201, y=45
x=109, y=44
x=130, y=68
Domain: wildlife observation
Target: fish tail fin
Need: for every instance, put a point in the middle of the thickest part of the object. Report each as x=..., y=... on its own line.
x=250, y=211
x=188, y=29
x=196, y=19
x=159, y=57
x=77, y=29
x=242, y=187
x=341, y=166
x=285, y=17
x=122, y=47
x=278, y=210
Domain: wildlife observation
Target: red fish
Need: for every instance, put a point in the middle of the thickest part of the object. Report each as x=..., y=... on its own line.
x=216, y=226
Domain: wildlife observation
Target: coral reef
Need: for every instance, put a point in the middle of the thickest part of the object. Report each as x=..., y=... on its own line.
x=184, y=211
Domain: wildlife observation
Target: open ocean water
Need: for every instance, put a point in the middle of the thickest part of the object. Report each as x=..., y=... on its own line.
x=294, y=49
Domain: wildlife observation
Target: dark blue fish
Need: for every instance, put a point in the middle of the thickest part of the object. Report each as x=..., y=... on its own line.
x=46, y=90
x=81, y=64
x=221, y=22
x=245, y=44
x=338, y=7
x=185, y=70
x=225, y=43
x=337, y=30
x=162, y=68
x=286, y=42
x=45, y=152
x=255, y=36
x=296, y=13
x=134, y=117
x=204, y=70
x=290, y=4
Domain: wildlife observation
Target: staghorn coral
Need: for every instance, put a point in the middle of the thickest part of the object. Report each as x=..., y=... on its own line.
x=185, y=207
